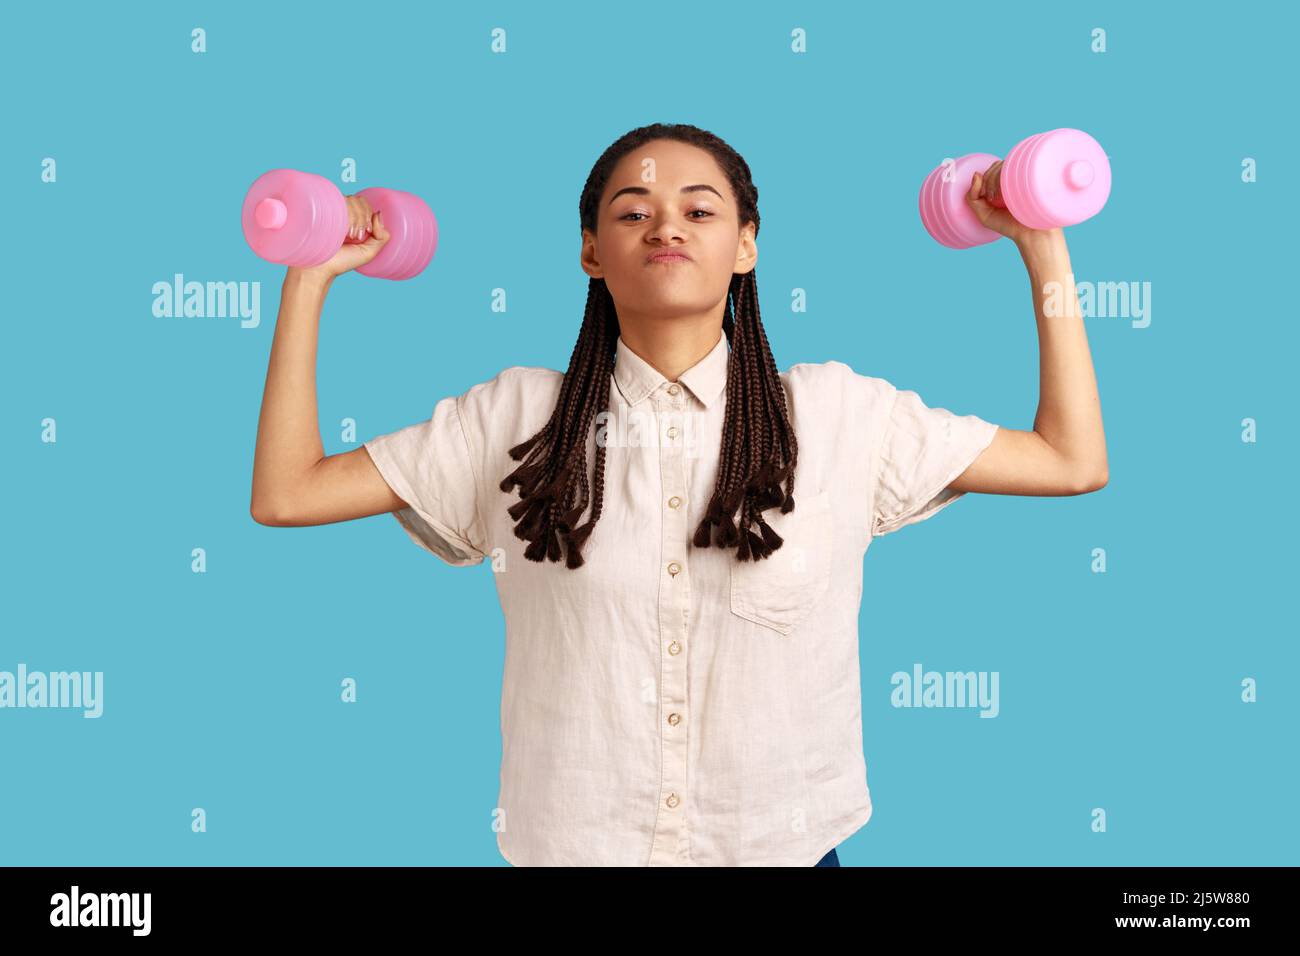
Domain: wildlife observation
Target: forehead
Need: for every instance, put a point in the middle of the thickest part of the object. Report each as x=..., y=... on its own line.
x=670, y=163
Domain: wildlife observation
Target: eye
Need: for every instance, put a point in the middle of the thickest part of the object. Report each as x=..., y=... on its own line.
x=705, y=211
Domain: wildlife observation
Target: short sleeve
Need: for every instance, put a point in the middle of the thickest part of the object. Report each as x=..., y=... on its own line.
x=429, y=466
x=922, y=450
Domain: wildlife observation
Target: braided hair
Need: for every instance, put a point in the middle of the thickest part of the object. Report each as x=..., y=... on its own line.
x=759, y=450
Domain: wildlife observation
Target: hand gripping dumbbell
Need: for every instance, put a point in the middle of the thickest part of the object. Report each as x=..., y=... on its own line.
x=301, y=219
x=1051, y=179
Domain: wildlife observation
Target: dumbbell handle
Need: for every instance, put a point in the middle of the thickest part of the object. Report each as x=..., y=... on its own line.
x=997, y=201
x=271, y=213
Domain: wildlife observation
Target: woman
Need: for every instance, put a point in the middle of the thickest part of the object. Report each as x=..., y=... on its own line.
x=682, y=688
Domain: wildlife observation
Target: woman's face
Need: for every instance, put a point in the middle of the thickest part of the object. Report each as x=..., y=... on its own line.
x=667, y=196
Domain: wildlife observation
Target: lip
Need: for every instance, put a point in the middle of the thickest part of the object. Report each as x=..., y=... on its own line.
x=668, y=256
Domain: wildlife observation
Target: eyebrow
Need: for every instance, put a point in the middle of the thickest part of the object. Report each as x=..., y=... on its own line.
x=642, y=191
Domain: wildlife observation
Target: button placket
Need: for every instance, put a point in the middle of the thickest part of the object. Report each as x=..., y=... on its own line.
x=669, y=846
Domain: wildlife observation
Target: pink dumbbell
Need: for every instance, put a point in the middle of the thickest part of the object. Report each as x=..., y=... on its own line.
x=301, y=219
x=1051, y=179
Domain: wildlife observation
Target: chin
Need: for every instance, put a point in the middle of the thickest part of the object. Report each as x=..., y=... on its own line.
x=669, y=303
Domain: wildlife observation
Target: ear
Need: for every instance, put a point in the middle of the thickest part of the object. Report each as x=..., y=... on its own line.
x=746, y=250
x=587, y=256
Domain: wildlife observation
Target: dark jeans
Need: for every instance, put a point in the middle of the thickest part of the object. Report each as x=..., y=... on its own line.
x=830, y=859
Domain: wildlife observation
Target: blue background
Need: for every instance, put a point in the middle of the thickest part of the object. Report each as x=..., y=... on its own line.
x=1118, y=690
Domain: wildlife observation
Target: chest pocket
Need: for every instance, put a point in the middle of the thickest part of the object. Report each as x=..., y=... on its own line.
x=779, y=591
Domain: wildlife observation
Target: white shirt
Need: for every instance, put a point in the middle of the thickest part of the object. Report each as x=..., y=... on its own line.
x=668, y=705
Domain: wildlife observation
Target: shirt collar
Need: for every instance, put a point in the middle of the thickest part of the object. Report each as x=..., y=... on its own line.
x=636, y=378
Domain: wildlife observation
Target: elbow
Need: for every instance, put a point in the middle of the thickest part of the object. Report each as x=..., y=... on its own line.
x=259, y=513
x=1093, y=480
x=264, y=514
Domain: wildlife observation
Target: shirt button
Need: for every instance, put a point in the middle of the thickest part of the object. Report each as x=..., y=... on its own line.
x=674, y=648
x=674, y=501
x=674, y=567
x=674, y=389
x=674, y=719
x=672, y=800
x=672, y=431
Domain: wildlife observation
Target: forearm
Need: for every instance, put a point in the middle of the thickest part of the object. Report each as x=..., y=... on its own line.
x=288, y=429
x=1069, y=407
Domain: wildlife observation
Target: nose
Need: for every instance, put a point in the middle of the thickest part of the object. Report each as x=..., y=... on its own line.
x=666, y=228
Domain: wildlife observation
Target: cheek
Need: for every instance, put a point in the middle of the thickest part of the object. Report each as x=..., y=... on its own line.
x=719, y=263
x=722, y=254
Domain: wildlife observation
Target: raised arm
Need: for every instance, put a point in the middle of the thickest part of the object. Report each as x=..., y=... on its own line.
x=294, y=482
x=1065, y=453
